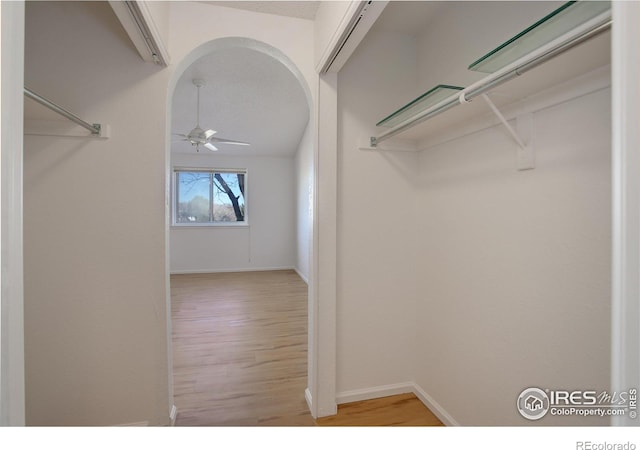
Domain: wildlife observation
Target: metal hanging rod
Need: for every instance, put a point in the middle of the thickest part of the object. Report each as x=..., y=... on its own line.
x=578, y=35
x=95, y=128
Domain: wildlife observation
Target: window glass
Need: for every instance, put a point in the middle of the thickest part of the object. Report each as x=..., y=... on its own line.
x=209, y=197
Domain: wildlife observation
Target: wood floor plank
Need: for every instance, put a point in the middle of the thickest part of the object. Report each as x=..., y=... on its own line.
x=240, y=356
x=396, y=410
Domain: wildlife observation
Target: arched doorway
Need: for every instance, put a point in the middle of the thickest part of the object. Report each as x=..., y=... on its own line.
x=243, y=78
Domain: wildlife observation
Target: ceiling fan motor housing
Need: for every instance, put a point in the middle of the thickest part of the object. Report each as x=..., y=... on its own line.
x=199, y=136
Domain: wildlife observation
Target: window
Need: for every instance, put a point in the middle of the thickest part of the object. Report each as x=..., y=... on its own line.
x=209, y=197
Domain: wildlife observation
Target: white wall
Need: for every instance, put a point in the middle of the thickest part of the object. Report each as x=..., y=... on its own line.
x=515, y=266
x=293, y=37
x=95, y=323
x=304, y=201
x=376, y=221
x=268, y=242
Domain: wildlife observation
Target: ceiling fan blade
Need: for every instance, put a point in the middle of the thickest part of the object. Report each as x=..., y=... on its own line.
x=227, y=141
x=209, y=133
x=211, y=147
x=180, y=134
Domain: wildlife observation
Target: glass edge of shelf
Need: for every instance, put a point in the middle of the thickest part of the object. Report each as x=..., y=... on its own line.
x=416, y=100
x=474, y=65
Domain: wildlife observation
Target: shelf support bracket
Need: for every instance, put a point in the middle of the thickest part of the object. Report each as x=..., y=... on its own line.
x=397, y=145
x=524, y=153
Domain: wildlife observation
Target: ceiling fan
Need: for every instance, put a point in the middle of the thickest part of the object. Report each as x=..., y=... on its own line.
x=198, y=136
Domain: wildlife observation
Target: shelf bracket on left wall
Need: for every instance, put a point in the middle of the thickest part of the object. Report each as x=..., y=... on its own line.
x=525, y=156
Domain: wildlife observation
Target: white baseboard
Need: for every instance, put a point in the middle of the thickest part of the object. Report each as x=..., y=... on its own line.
x=435, y=407
x=305, y=279
x=243, y=269
x=309, y=399
x=173, y=415
x=395, y=389
x=374, y=392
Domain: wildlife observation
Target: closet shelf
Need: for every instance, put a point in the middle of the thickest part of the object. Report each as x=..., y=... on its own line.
x=583, y=59
x=552, y=26
x=425, y=101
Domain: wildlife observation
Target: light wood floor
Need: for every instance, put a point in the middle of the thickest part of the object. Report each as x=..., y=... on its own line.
x=240, y=348
x=396, y=410
x=240, y=356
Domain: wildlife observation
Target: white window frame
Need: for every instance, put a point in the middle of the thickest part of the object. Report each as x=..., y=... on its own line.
x=210, y=170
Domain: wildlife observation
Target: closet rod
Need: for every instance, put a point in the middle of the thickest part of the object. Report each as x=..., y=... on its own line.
x=564, y=43
x=95, y=128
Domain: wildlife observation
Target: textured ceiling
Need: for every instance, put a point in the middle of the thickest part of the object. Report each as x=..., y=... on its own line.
x=249, y=96
x=300, y=9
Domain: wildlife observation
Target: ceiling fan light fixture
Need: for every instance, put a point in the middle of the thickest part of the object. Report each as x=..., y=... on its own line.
x=198, y=136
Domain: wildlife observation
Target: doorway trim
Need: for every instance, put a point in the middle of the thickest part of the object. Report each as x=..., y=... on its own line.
x=625, y=149
x=12, y=374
